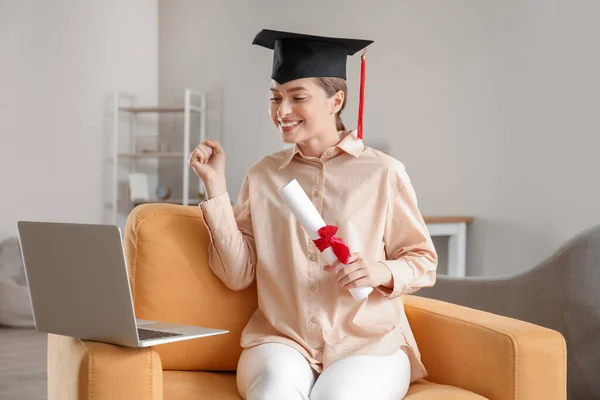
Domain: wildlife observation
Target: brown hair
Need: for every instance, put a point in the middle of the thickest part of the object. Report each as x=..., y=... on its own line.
x=331, y=86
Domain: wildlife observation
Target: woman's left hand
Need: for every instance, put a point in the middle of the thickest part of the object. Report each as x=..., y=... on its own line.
x=359, y=273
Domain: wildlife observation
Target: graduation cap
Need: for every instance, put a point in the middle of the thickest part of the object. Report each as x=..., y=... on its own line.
x=299, y=56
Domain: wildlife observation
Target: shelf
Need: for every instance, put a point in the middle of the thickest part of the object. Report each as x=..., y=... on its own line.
x=151, y=155
x=138, y=110
x=153, y=109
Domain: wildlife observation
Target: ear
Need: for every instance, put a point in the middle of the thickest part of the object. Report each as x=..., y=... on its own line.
x=337, y=102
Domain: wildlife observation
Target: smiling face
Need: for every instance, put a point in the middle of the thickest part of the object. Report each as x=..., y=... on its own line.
x=301, y=110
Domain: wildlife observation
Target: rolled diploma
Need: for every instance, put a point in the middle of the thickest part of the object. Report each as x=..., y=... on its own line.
x=311, y=221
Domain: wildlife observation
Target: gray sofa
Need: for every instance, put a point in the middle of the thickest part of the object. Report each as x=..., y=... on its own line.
x=562, y=293
x=15, y=305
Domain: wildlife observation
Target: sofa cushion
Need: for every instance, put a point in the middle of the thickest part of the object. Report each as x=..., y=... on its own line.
x=194, y=385
x=424, y=390
x=184, y=385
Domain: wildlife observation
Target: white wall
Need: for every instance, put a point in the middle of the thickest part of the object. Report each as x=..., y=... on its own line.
x=491, y=105
x=60, y=63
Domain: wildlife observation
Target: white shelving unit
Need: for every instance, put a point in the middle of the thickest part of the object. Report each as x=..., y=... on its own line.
x=126, y=104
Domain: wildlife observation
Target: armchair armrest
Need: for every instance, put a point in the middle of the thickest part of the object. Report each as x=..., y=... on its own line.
x=79, y=369
x=491, y=355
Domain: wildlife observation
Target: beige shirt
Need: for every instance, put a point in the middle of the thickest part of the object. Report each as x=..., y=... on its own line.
x=369, y=196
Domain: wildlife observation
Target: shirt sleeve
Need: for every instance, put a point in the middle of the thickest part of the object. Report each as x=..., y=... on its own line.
x=410, y=254
x=232, y=251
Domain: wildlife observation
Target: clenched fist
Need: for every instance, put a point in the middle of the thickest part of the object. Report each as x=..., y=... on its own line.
x=208, y=162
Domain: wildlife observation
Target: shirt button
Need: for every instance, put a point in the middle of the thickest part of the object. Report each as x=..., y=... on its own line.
x=313, y=320
x=313, y=287
x=317, y=193
x=313, y=257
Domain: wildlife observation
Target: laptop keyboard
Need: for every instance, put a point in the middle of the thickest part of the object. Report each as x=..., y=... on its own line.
x=145, y=334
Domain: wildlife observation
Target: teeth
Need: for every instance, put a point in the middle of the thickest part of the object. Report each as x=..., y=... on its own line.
x=289, y=124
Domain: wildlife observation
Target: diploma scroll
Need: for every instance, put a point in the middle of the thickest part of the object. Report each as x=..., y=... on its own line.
x=311, y=221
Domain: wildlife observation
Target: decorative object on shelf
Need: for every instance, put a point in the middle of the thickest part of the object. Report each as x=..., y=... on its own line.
x=163, y=192
x=139, y=190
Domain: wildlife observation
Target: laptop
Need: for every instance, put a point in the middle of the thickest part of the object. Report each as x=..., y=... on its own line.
x=79, y=286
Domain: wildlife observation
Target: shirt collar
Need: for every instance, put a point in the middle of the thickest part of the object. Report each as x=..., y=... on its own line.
x=350, y=144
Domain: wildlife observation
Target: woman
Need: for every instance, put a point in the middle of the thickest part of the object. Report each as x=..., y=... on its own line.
x=309, y=338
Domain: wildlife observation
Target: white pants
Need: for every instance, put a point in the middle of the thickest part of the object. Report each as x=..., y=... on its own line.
x=274, y=371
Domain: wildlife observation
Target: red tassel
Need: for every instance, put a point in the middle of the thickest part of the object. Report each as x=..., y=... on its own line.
x=361, y=106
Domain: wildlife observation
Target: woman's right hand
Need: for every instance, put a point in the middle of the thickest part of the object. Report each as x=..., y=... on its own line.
x=208, y=162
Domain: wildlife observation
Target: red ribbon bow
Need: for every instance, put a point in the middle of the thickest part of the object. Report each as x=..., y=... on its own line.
x=328, y=239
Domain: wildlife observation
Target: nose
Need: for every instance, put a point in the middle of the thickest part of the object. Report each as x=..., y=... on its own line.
x=284, y=109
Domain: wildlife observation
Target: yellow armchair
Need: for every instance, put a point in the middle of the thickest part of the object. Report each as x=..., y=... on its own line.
x=469, y=354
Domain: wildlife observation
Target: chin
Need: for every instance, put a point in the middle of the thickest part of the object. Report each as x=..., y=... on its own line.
x=291, y=137
x=288, y=140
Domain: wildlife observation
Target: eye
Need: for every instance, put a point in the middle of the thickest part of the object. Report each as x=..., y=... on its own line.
x=299, y=98
x=275, y=99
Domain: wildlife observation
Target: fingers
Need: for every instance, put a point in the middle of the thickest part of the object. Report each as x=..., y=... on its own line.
x=204, y=153
x=197, y=157
x=201, y=154
x=350, y=273
x=362, y=282
x=337, y=265
x=352, y=277
x=193, y=158
x=353, y=258
x=214, y=145
x=353, y=274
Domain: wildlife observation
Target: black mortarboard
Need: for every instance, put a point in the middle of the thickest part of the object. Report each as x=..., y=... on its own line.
x=306, y=56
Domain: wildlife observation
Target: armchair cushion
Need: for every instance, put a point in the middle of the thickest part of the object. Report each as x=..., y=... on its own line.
x=495, y=356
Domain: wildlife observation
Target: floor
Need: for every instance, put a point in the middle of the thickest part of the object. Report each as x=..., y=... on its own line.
x=22, y=364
